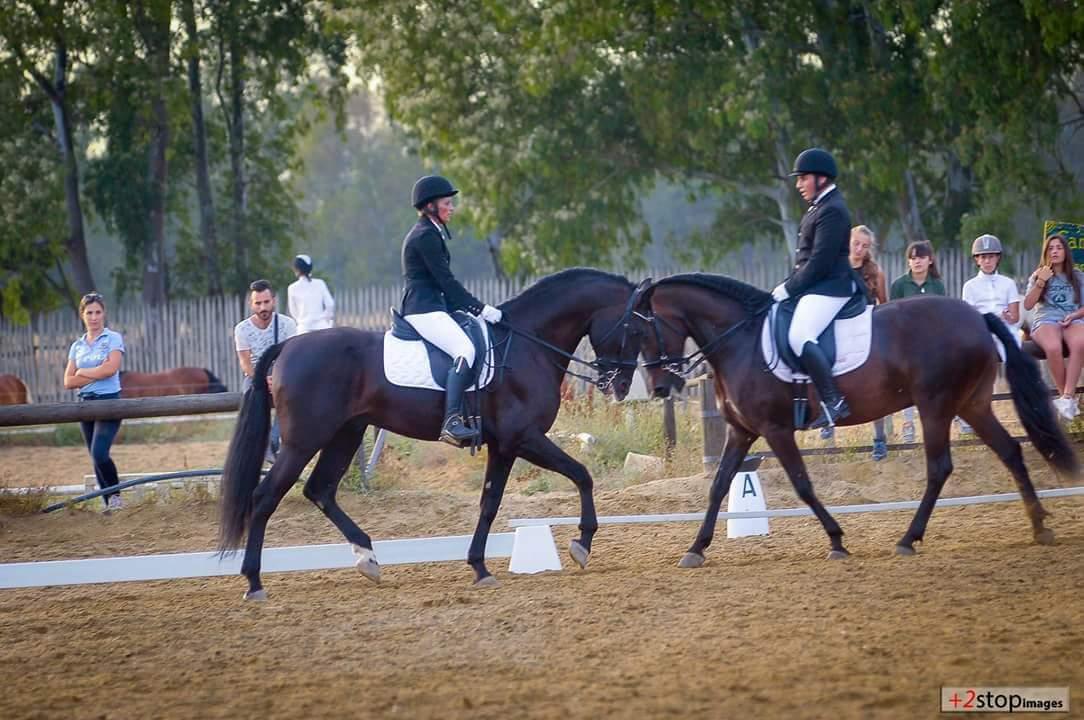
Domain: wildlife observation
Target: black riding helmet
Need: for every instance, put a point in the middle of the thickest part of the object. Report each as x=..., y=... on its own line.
x=817, y=162
x=429, y=188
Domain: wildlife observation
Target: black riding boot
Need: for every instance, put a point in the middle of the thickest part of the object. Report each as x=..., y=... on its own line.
x=454, y=431
x=833, y=404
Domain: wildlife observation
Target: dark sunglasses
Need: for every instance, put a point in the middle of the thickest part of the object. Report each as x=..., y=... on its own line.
x=92, y=297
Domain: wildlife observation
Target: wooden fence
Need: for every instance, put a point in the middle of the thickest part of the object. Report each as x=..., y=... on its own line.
x=199, y=332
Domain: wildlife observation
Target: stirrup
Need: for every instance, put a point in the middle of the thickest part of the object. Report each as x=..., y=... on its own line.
x=455, y=431
x=829, y=415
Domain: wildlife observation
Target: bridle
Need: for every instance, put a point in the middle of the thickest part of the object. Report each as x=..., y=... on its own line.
x=676, y=366
x=607, y=369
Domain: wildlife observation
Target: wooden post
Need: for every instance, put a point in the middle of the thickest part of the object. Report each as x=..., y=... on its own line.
x=669, y=425
x=120, y=409
x=714, y=427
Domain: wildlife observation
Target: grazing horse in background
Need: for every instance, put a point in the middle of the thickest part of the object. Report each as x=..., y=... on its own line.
x=329, y=386
x=178, y=381
x=12, y=391
x=936, y=353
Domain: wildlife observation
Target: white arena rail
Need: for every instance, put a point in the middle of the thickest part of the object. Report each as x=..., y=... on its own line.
x=795, y=512
x=209, y=564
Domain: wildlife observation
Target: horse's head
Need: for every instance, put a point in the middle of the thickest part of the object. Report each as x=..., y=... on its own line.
x=664, y=341
x=616, y=332
x=713, y=310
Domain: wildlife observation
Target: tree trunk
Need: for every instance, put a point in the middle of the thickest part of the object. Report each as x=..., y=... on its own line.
x=76, y=241
x=493, y=242
x=787, y=222
x=909, y=211
x=155, y=32
x=208, y=229
x=237, y=147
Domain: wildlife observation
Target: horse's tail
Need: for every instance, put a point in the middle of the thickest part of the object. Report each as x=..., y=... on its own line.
x=214, y=385
x=241, y=473
x=1031, y=397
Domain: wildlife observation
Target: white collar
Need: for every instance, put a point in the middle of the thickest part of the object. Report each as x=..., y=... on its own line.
x=824, y=192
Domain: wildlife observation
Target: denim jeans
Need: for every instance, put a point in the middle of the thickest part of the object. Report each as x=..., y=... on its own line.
x=99, y=435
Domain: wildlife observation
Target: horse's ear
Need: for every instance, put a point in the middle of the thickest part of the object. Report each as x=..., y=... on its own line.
x=642, y=290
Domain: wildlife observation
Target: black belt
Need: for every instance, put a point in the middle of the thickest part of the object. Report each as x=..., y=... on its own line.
x=100, y=396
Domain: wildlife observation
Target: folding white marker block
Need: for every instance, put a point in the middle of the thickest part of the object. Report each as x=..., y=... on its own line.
x=746, y=495
x=533, y=550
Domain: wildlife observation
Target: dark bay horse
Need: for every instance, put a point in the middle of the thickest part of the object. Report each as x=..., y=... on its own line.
x=328, y=386
x=936, y=353
x=178, y=381
x=12, y=390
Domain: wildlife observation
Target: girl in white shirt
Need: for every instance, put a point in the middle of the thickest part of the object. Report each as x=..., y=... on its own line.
x=310, y=303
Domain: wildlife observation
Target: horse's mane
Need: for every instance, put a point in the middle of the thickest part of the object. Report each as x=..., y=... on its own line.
x=552, y=286
x=754, y=299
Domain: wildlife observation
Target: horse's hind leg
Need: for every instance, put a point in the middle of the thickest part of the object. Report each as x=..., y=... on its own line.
x=738, y=442
x=935, y=435
x=265, y=499
x=1008, y=450
x=323, y=484
x=782, y=442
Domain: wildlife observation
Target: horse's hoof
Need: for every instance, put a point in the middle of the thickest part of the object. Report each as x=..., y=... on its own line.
x=367, y=564
x=691, y=560
x=1045, y=537
x=905, y=551
x=257, y=595
x=838, y=555
x=579, y=553
x=488, y=581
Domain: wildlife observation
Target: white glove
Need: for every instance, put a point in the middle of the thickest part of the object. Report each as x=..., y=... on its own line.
x=491, y=314
x=780, y=293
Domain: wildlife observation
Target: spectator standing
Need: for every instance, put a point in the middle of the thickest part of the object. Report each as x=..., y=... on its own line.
x=1054, y=291
x=94, y=371
x=255, y=334
x=921, y=278
x=308, y=299
x=863, y=246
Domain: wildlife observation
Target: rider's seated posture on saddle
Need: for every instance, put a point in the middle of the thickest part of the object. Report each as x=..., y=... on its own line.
x=822, y=278
x=432, y=292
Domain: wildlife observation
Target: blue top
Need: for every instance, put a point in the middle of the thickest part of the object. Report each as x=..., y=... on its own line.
x=93, y=354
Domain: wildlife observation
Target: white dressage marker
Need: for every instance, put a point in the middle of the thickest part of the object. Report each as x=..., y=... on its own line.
x=208, y=564
x=745, y=495
x=534, y=551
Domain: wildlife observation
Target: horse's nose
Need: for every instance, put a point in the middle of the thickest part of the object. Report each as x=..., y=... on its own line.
x=662, y=390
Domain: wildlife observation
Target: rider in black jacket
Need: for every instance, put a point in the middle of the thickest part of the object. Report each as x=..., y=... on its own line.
x=432, y=292
x=822, y=275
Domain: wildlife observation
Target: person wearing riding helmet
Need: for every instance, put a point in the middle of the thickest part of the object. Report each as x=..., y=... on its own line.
x=990, y=291
x=309, y=300
x=822, y=279
x=432, y=292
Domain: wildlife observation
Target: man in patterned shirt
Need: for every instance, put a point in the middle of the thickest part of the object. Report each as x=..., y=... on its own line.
x=253, y=335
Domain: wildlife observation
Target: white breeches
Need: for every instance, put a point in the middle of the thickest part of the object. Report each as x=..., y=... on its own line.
x=439, y=329
x=813, y=314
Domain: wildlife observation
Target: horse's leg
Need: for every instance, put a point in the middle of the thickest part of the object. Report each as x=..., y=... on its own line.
x=786, y=451
x=322, y=485
x=498, y=466
x=541, y=451
x=738, y=442
x=266, y=498
x=935, y=437
x=992, y=432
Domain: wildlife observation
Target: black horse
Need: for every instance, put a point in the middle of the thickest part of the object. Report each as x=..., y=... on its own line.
x=932, y=352
x=329, y=385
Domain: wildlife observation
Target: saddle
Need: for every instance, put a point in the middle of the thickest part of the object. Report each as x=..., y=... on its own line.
x=412, y=361
x=855, y=321
x=783, y=316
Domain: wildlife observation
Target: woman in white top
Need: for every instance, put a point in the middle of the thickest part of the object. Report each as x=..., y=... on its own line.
x=310, y=303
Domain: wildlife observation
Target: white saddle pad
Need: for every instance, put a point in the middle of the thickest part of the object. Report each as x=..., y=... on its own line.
x=853, y=338
x=406, y=362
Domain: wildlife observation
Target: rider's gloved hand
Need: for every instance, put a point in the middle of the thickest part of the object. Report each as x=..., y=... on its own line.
x=780, y=293
x=491, y=314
